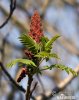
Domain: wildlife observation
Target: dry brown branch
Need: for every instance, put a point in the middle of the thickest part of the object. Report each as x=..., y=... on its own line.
x=12, y=8
x=44, y=7
x=33, y=88
x=16, y=20
x=11, y=79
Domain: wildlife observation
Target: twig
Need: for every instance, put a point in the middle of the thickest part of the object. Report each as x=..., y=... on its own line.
x=33, y=88
x=30, y=79
x=40, y=83
x=12, y=8
x=44, y=7
x=11, y=79
x=17, y=21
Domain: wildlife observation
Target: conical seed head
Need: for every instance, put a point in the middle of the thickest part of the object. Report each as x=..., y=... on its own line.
x=36, y=29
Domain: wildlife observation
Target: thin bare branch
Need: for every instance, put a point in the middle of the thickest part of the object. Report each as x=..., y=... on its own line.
x=11, y=79
x=12, y=8
x=33, y=88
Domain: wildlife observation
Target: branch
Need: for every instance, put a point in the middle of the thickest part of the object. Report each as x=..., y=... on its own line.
x=17, y=21
x=11, y=79
x=33, y=89
x=12, y=8
x=42, y=86
x=30, y=79
x=44, y=7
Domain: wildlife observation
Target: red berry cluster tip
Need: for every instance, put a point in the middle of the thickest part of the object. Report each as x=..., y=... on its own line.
x=36, y=30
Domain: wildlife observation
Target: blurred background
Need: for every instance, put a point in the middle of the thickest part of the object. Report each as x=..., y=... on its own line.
x=58, y=17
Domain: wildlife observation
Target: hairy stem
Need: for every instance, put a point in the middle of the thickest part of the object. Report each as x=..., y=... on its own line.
x=30, y=79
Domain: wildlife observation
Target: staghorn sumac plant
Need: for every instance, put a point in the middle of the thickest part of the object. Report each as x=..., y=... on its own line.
x=37, y=48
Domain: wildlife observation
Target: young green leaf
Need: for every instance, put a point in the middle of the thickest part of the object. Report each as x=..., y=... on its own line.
x=29, y=43
x=44, y=40
x=44, y=54
x=48, y=45
x=62, y=67
x=24, y=61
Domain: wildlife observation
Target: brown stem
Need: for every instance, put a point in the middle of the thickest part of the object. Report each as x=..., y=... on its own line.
x=30, y=79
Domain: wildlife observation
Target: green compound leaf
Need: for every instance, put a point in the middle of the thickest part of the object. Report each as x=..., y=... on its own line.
x=45, y=54
x=48, y=45
x=24, y=61
x=44, y=40
x=29, y=43
x=62, y=67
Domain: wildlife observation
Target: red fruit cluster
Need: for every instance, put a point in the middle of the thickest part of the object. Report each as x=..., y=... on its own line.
x=23, y=73
x=36, y=30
